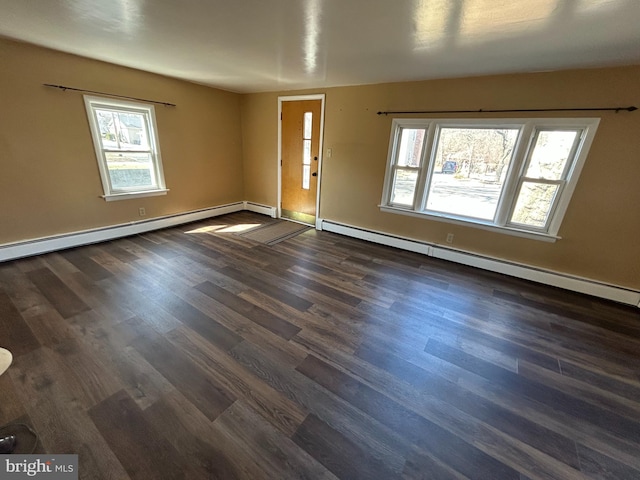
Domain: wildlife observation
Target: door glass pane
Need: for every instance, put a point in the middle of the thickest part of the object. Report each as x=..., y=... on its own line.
x=306, y=176
x=410, y=149
x=470, y=169
x=129, y=170
x=550, y=154
x=306, y=152
x=534, y=204
x=308, y=123
x=404, y=186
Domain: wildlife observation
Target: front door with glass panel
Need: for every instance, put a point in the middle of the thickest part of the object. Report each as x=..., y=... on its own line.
x=300, y=151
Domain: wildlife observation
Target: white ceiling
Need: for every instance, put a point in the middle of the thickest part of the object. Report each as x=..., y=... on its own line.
x=262, y=45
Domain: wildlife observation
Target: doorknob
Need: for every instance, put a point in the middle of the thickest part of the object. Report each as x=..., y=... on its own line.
x=314, y=174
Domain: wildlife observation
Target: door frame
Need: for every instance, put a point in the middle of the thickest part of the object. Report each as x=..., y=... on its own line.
x=293, y=98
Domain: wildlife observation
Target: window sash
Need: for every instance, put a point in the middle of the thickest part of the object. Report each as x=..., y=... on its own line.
x=434, y=142
x=396, y=169
x=136, y=188
x=111, y=150
x=153, y=167
x=559, y=182
x=550, y=211
x=572, y=151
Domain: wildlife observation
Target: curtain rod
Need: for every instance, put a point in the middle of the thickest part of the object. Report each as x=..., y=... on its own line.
x=62, y=87
x=615, y=109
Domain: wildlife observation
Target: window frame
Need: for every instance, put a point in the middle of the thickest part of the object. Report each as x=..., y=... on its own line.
x=396, y=134
x=92, y=104
x=528, y=131
x=419, y=169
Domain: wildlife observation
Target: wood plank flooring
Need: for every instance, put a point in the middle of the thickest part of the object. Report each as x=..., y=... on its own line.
x=196, y=353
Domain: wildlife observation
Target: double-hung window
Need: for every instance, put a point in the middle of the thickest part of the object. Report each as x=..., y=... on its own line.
x=514, y=176
x=126, y=144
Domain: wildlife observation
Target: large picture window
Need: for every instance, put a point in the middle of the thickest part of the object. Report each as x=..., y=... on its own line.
x=125, y=139
x=511, y=175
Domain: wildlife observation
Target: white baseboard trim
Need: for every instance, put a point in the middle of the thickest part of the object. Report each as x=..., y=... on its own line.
x=258, y=208
x=12, y=251
x=377, y=237
x=526, y=272
x=588, y=286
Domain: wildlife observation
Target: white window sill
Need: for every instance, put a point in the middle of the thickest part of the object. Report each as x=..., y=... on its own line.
x=127, y=196
x=544, y=237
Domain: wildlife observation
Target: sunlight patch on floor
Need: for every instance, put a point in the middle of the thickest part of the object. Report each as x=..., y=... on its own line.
x=211, y=228
x=243, y=227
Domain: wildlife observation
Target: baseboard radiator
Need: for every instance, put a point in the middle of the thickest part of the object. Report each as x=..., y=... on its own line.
x=588, y=286
x=12, y=251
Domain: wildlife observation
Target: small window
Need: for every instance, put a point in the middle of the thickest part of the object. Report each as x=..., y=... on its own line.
x=125, y=139
x=512, y=175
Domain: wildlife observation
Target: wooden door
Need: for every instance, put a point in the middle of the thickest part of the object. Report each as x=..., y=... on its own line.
x=300, y=151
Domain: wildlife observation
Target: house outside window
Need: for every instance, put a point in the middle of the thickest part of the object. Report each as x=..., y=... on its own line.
x=126, y=144
x=510, y=175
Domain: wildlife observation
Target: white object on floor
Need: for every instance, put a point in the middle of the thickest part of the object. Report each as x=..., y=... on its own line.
x=5, y=360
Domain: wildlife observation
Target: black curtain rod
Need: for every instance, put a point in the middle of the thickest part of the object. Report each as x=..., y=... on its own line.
x=62, y=87
x=613, y=109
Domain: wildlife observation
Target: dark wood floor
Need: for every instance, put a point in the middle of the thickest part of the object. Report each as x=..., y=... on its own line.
x=195, y=353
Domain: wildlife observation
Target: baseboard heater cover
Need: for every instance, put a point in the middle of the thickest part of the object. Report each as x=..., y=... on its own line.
x=259, y=208
x=38, y=246
x=526, y=272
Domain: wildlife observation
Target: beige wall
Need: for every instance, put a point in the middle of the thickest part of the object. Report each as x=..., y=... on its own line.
x=219, y=147
x=49, y=179
x=601, y=229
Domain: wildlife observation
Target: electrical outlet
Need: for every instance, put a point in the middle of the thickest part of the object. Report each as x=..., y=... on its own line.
x=449, y=237
x=329, y=152
x=142, y=211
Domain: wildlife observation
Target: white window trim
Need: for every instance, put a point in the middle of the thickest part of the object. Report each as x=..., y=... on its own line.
x=92, y=102
x=520, y=157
